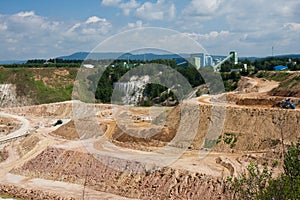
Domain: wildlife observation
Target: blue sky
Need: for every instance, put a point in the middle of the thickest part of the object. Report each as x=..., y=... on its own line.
x=49, y=28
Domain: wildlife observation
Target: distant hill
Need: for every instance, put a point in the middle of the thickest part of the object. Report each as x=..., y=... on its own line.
x=87, y=55
x=7, y=62
x=147, y=56
x=288, y=56
x=151, y=56
x=276, y=56
x=122, y=56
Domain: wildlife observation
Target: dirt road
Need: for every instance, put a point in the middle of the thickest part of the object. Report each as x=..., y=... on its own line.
x=18, y=133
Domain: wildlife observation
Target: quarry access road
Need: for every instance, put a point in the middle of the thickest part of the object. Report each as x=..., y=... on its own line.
x=18, y=133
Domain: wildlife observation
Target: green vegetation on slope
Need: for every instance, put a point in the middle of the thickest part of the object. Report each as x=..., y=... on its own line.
x=44, y=83
x=258, y=183
x=289, y=85
x=41, y=85
x=273, y=76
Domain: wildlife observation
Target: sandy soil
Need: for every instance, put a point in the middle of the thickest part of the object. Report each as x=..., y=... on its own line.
x=52, y=158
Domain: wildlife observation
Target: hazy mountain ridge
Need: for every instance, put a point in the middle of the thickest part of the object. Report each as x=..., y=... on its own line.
x=146, y=56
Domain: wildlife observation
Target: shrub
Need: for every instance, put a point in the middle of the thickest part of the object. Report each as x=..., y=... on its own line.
x=258, y=184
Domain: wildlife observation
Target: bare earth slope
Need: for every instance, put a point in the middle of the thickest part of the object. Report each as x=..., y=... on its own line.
x=53, y=162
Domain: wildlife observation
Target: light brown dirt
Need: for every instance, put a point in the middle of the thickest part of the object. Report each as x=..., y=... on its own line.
x=27, y=144
x=8, y=125
x=57, y=153
x=290, y=87
x=3, y=154
x=255, y=85
x=164, y=183
x=66, y=131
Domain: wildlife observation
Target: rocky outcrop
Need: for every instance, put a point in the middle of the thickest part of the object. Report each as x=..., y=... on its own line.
x=83, y=168
x=251, y=127
x=25, y=193
x=9, y=97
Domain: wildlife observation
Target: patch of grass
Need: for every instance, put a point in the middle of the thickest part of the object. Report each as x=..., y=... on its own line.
x=46, y=94
x=274, y=76
x=41, y=85
x=10, y=197
x=230, y=139
x=4, y=74
x=275, y=142
x=281, y=76
x=290, y=83
x=209, y=143
x=275, y=163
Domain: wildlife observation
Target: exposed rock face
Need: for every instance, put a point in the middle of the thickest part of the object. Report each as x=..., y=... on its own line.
x=132, y=90
x=3, y=154
x=23, y=193
x=83, y=168
x=9, y=97
x=252, y=126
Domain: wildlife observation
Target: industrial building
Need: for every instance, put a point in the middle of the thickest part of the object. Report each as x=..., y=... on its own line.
x=204, y=60
x=201, y=60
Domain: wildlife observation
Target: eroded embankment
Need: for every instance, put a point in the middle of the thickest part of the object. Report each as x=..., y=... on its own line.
x=18, y=192
x=248, y=128
x=65, y=109
x=10, y=98
x=83, y=168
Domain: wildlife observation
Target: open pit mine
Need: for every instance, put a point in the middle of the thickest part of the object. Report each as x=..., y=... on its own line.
x=103, y=151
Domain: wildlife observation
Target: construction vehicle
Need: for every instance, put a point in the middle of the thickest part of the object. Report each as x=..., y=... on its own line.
x=286, y=104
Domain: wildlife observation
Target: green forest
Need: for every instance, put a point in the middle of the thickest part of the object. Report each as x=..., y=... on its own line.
x=112, y=70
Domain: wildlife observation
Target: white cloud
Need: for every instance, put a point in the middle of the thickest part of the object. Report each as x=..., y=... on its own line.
x=92, y=27
x=137, y=24
x=127, y=7
x=27, y=35
x=110, y=2
x=95, y=19
x=159, y=10
x=202, y=7
x=255, y=26
x=292, y=26
x=26, y=14
x=211, y=37
x=3, y=27
x=156, y=11
x=252, y=27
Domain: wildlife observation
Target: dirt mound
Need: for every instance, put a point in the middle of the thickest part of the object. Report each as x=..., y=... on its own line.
x=67, y=131
x=61, y=109
x=257, y=100
x=160, y=138
x=83, y=168
x=251, y=127
x=8, y=125
x=248, y=127
x=27, y=144
x=252, y=85
x=18, y=192
x=290, y=87
x=3, y=154
x=134, y=135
